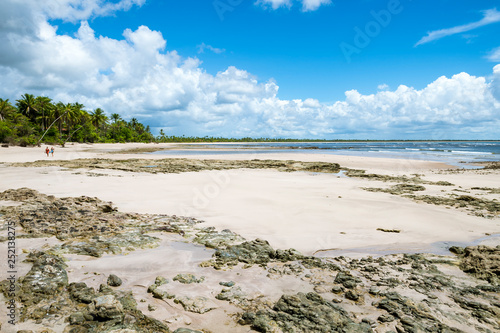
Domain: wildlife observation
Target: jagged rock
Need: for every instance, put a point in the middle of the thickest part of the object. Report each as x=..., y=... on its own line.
x=76, y=318
x=413, y=317
x=234, y=295
x=96, y=246
x=347, y=280
x=481, y=261
x=227, y=284
x=108, y=307
x=114, y=281
x=261, y=253
x=197, y=304
x=162, y=294
x=303, y=313
x=480, y=310
x=211, y=238
x=188, y=278
x=386, y=318
x=337, y=289
x=255, y=252
x=160, y=280
x=81, y=293
x=186, y=165
x=186, y=330
x=47, y=276
x=352, y=295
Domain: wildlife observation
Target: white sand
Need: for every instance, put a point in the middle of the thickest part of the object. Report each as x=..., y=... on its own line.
x=309, y=212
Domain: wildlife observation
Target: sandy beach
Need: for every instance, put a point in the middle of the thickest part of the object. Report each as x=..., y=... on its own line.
x=326, y=214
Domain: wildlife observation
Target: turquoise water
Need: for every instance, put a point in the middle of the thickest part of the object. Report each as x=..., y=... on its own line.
x=460, y=154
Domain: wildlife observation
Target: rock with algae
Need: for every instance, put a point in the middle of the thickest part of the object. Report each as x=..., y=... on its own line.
x=46, y=298
x=481, y=261
x=303, y=313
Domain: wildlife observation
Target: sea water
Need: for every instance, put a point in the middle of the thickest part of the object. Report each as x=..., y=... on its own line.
x=458, y=153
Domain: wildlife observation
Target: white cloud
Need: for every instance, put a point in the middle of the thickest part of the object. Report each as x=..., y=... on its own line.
x=490, y=16
x=202, y=47
x=312, y=5
x=137, y=77
x=494, y=55
x=383, y=86
x=495, y=84
x=307, y=5
x=275, y=4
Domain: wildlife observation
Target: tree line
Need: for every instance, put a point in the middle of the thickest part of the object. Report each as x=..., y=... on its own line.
x=32, y=120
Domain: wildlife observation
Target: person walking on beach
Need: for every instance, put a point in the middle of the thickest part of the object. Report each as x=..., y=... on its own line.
x=47, y=151
x=51, y=151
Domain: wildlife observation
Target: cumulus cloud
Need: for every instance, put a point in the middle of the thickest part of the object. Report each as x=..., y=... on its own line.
x=137, y=76
x=495, y=85
x=489, y=17
x=307, y=5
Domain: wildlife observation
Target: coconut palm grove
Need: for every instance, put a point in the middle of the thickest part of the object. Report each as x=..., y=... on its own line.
x=31, y=120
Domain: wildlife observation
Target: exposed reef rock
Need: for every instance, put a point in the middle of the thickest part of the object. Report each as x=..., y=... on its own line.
x=303, y=313
x=46, y=296
x=178, y=165
x=482, y=262
x=262, y=288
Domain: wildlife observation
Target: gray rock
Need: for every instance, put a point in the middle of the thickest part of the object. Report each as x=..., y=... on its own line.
x=108, y=307
x=186, y=330
x=188, y=278
x=303, y=313
x=114, y=281
x=196, y=305
x=347, y=280
x=233, y=295
x=227, y=284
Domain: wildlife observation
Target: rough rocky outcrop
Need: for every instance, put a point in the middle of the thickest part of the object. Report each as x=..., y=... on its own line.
x=395, y=293
x=481, y=261
x=46, y=296
x=177, y=165
x=303, y=313
x=197, y=304
x=188, y=278
x=114, y=281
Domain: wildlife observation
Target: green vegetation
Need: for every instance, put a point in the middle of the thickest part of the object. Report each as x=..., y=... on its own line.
x=33, y=120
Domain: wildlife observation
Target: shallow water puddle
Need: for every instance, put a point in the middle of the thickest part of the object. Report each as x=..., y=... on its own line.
x=438, y=248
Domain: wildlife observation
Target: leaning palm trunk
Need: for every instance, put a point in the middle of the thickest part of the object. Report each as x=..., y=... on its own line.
x=71, y=134
x=40, y=140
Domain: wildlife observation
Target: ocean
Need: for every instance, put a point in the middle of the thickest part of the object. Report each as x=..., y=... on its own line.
x=458, y=153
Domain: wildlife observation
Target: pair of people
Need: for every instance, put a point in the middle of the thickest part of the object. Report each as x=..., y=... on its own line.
x=49, y=151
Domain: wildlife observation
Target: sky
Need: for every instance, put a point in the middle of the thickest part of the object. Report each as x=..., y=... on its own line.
x=312, y=69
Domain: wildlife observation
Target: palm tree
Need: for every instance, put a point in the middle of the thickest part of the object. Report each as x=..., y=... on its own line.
x=115, y=117
x=60, y=110
x=133, y=123
x=27, y=106
x=83, y=118
x=98, y=117
x=73, y=113
x=5, y=108
x=44, y=104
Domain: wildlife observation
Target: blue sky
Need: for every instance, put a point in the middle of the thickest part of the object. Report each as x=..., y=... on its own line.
x=274, y=68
